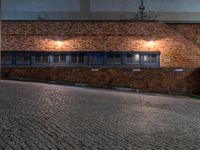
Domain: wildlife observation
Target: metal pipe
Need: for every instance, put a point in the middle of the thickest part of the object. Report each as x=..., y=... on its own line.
x=142, y=8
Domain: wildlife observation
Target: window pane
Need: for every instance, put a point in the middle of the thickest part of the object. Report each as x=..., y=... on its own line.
x=109, y=59
x=3, y=58
x=96, y=58
x=128, y=59
x=62, y=59
x=81, y=58
x=147, y=59
x=19, y=59
x=117, y=59
x=56, y=59
x=132, y=58
x=6, y=59
x=9, y=59
x=27, y=59
x=91, y=59
x=37, y=59
x=23, y=59
x=135, y=58
x=153, y=58
x=68, y=59
x=114, y=58
x=45, y=59
x=99, y=58
x=74, y=58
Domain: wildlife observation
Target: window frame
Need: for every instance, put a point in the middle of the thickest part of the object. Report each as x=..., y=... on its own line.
x=146, y=64
x=23, y=54
x=120, y=60
x=85, y=58
x=60, y=62
x=113, y=64
x=131, y=64
x=94, y=54
x=6, y=53
x=41, y=59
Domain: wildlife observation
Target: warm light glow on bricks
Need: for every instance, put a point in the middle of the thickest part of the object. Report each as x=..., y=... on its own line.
x=150, y=44
x=59, y=43
x=55, y=44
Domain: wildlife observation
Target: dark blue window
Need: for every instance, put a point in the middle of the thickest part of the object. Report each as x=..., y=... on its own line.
x=150, y=59
x=7, y=58
x=40, y=59
x=78, y=58
x=58, y=59
x=96, y=58
x=132, y=58
x=23, y=58
x=113, y=59
x=137, y=59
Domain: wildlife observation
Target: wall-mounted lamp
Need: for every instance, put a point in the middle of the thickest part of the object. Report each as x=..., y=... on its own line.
x=59, y=43
x=150, y=42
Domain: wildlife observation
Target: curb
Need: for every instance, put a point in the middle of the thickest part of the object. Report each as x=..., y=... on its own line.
x=125, y=89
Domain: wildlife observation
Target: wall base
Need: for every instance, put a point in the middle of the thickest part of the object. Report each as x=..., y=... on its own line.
x=164, y=80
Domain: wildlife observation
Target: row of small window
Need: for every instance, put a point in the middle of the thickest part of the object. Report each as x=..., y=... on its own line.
x=82, y=58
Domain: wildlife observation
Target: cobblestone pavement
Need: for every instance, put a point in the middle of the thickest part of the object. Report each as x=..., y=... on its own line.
x=39, y=116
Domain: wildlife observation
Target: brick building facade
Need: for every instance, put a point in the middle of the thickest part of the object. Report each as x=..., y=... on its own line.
x=167, y=56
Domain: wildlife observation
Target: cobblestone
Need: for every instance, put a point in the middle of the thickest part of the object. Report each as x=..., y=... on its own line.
x=35, y=116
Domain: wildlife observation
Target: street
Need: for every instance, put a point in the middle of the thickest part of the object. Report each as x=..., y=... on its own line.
x=39, y=116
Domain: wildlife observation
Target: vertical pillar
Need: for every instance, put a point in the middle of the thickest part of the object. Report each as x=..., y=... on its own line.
x=0, y=36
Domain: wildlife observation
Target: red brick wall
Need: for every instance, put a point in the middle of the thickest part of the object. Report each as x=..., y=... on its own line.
x=190, y=31
x=156, y=80
x=176, y=50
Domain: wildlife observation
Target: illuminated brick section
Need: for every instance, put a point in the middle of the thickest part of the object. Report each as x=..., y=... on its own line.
x=176, y=49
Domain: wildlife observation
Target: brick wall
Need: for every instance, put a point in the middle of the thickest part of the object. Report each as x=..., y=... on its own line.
x=176, y=50
x=190, y=31
x=154, y=80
